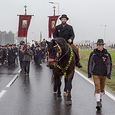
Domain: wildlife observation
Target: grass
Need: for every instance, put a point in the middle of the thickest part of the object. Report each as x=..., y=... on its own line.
x=84, y=56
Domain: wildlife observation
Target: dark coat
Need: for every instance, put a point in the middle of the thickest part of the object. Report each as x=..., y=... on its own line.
x=15, y=50
x=64, y=32
x=21, y=55
x=33, y=50
x=11, y=54
x=4, y=53
x=38, y=54
x=100, y=63
x=1, y=52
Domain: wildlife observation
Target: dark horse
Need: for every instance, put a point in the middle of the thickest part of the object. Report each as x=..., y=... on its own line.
x=62, y=61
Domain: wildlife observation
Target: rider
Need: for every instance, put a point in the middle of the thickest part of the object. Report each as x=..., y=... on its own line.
x=66, y=31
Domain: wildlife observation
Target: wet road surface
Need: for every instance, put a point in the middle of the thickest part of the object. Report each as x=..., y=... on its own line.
x=34, y=95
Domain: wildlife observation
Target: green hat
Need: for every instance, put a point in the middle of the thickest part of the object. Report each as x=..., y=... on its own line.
x=100, y=42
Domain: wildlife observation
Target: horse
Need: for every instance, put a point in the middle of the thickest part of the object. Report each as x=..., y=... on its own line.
x=62, y=60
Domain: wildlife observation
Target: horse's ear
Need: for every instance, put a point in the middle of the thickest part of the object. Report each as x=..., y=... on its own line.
x=54, y=41
x=47, y=42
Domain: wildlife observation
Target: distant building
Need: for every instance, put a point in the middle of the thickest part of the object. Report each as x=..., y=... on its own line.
x=6, y=37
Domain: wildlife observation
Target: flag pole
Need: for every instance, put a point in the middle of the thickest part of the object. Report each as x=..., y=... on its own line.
x=25, y=14
x=24, y=28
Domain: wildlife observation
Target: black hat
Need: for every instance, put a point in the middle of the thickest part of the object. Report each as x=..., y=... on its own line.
x=64, y=16
x=100, y=42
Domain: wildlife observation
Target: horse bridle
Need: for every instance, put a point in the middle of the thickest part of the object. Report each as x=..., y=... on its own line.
x=60, y=52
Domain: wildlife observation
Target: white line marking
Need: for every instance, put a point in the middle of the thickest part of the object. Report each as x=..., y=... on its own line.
x=87, y=79
x=84, y=77
x=2, y=93
x=19, y=71
x=12, y=81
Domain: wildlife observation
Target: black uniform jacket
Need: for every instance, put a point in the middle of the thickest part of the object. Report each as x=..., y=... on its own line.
x=11, y=54
x=100, y=63
x=64, y=32
x=1, y=52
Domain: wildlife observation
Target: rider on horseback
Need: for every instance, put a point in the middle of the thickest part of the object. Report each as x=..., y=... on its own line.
x=66, y=31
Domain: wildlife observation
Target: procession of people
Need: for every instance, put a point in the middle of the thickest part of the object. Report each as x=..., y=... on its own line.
x=99, y=64
x=11, y=54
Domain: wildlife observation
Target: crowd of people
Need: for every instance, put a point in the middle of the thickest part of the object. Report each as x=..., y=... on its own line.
x=24, y=53
x=84, y=47
x=8, y=54
x=112, y=46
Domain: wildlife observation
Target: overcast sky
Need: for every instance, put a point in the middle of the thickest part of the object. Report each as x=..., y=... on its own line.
x=88, y=17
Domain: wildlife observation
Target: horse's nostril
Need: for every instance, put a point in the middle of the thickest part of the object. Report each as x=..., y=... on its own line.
x=52, y=67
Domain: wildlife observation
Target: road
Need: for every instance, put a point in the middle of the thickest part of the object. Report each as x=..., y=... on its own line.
x=33, y=95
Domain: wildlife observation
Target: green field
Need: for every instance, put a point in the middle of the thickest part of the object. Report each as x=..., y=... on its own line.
x=84, y=56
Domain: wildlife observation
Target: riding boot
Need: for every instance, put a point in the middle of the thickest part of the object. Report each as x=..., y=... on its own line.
x=76, y=51
x=77, y=59
x=78, y=65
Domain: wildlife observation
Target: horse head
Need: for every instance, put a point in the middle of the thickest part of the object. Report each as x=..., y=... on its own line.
x=55, y=49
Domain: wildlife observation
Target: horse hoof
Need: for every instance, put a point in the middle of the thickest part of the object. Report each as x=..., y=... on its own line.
x=59, y=98
x=68, y=103
x=65, y=94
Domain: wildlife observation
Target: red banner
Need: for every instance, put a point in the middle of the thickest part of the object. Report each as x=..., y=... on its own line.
x=24, y=22
x=52, y=24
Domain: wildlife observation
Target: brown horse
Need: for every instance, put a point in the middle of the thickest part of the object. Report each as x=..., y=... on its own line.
x=62, y=61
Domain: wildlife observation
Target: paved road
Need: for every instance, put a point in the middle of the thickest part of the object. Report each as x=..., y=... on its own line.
x=34, y=95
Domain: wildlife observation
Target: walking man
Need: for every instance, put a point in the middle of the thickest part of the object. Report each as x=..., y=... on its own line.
x=66, y=31
x=27, y=58
x=10, y=55
x=21, y=56
x=100, y=66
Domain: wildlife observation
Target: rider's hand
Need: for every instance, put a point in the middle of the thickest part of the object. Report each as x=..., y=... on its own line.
x=70, y=40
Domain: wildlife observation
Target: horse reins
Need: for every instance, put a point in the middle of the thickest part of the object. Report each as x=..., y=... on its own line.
x=63, y=55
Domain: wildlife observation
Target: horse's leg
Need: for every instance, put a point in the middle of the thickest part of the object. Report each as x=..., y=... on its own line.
x=58, y=86
x=55, y=84
x=65, y=89
x=69, y=87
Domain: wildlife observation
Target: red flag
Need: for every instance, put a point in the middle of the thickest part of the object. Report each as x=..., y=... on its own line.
x=24, y=22
x=52, y=24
